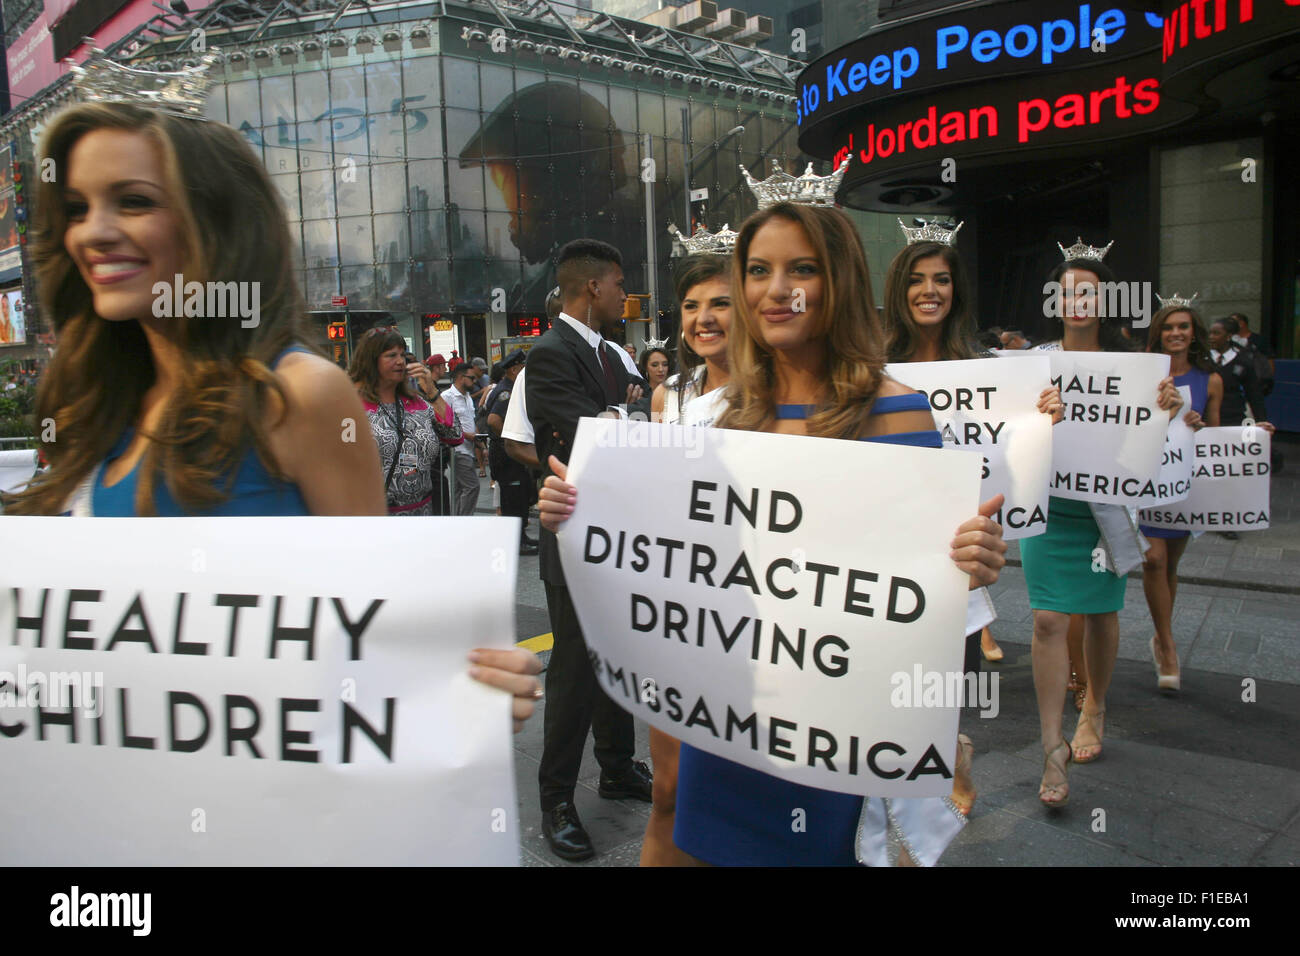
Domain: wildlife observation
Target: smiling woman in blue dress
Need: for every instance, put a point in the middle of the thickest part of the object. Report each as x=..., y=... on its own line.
x=189, y=415
x=1177, y=331
x=810, y=370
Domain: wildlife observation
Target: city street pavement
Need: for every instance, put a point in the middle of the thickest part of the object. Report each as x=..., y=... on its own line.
x=1203, y=777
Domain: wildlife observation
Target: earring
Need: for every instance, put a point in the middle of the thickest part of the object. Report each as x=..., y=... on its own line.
x=588, y=313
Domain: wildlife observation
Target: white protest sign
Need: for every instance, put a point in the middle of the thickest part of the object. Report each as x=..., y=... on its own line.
x=1230, y=490
x=253, y=691
x=1174, y=483
x=1109, y=445
x=784, y=603
x=992, y=408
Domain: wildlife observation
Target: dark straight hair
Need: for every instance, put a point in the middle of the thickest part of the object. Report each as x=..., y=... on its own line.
x=1109, y=336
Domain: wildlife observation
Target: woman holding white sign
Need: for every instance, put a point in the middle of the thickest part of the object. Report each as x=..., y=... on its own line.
x=703, y=288
x=807, y=358
x=180, y=412
x=1062, y=569
x=1177, y=331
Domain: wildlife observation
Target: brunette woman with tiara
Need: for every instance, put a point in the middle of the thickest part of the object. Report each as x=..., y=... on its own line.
x=807, y=358
x=1059, y=563
x=221, y=415
x=703, y=288
x=928, y=317
x=1177, y=331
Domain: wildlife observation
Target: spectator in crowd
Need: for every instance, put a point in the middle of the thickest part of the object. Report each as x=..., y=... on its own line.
x=438, y=366
x=1013, y=339
x=1235, y=365
x=1244, y=336
x=403, y=423
x=465, y=486
x=512, y=477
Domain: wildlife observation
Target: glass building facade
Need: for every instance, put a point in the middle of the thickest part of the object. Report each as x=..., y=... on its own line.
x=431, y=178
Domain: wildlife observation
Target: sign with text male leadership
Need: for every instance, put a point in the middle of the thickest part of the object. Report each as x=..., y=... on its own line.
x=766, y=597
x=1229, y=487
x=251, y=691
x=1109, y=446
x=992, y=408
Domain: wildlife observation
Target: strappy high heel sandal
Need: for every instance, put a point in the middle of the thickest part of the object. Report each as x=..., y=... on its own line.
x=1097, y=723
x=1061, y=791
x=1080, y=688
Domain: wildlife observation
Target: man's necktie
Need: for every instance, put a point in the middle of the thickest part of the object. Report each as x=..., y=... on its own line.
x=611, y=386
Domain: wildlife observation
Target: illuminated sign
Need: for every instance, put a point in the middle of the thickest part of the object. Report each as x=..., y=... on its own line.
x=983, y=43
x=1199, y=30
x=337, y=330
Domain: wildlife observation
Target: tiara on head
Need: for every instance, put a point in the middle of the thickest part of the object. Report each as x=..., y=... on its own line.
x=655, y=343
x=1177, y=300
x=1082, y=251
x=100, y=80
x=808, y=189
x=930, y=232
x=719, y=243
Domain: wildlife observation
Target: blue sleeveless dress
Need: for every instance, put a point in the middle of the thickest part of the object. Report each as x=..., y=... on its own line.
x=732, y=815
x=254, y=492
x=1199, y=383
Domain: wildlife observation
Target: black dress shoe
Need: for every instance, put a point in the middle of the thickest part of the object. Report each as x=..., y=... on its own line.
x=637, y=783
x=564, y=832
x=525, y=548
x=527, y=541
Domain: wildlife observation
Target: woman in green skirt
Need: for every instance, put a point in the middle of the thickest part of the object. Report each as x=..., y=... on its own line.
x=1059, y=564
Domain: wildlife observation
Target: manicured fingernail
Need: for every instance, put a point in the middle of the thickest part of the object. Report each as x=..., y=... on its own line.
x=475, y=656
x=476, y=672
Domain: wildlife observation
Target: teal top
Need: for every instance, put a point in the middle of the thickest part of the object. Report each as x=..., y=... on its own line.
x=254, y=492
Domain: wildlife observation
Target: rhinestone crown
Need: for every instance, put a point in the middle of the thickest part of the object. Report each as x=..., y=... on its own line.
x=1081, y=250
x=100, y=80
x=808, y=189
x=930, y=232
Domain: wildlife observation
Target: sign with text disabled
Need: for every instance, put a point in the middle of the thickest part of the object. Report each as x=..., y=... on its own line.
x=1110, y=444
x=251, y=691
x=1229, y=484
x=772, y=599
x=992, y=408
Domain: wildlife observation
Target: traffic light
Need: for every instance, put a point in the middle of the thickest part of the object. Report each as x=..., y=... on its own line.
x=337, y=331
x=637, y=306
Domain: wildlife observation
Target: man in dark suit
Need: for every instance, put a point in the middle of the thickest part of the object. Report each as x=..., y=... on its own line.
x=573, y=372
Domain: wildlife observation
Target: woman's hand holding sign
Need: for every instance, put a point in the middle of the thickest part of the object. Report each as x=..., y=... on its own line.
x=1168, y=397
x=1049, y=403
x=557, y=497
x=510, y=670
x=978, y=548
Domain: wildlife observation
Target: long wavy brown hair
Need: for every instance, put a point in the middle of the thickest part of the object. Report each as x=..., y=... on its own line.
x=364, y=369
x=228, y=398
x=1198, y=350
x=854, y=341
x=902, y=335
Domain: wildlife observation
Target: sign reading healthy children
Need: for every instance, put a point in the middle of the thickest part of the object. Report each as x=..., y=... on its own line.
x=755, y=617
x=263, y=698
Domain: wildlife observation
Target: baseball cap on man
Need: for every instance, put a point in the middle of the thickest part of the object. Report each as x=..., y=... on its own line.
x=479, y=363
x=435, y=359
